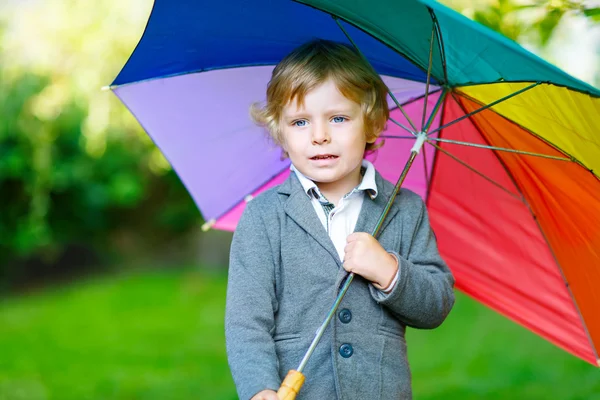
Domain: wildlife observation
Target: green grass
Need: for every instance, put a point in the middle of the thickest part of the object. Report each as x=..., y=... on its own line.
x=152, y=335
x=479, y=354
x=159, y=335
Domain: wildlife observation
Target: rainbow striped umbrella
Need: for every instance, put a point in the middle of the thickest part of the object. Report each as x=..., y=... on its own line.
x=510, y=171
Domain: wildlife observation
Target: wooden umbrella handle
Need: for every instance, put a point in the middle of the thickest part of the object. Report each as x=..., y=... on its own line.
x=291, y=385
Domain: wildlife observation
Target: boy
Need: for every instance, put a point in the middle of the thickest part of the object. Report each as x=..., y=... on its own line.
x=296, y=242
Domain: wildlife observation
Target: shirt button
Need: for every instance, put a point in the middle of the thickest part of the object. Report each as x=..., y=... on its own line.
x=345, y=316
x=346, y=350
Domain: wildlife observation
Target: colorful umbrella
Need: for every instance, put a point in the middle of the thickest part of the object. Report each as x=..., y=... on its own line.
x=510, y=171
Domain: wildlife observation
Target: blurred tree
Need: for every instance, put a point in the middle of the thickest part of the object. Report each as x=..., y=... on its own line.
x=75, y=166
x=536, y=19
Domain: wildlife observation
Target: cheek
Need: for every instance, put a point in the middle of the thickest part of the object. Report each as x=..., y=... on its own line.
x=293, y=145
x=286, y=140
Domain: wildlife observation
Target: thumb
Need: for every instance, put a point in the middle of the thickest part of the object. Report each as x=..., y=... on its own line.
x=271, y=396
x=352, y=237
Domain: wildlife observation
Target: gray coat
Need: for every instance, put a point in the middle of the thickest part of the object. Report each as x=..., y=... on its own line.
x=284, y=274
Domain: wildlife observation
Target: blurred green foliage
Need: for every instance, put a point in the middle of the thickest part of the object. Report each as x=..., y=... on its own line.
x=534, y=20
x=75, y=167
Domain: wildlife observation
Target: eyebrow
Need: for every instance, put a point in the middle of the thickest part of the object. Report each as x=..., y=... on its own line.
x=295, y=115
x=331, y=111
x=339, y=111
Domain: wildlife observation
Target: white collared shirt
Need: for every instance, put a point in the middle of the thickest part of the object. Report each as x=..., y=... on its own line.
x=341, y=220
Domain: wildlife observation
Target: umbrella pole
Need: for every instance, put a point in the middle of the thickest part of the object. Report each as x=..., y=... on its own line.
x=295, y=378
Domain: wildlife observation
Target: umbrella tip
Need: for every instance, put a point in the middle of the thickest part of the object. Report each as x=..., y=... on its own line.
x=105, y=88
x=208, y=225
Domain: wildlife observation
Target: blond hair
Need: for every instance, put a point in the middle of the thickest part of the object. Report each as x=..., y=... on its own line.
x=310, y=65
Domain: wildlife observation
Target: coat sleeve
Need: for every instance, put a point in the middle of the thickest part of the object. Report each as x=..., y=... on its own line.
x=424, y=292
x=250, y=308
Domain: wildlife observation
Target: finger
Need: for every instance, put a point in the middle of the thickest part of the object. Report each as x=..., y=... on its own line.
x=358, y=236
x=356, y=248
x=348, y=265
x=348, y=248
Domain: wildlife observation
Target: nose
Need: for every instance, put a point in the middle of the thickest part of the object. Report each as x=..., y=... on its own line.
x=320, y=134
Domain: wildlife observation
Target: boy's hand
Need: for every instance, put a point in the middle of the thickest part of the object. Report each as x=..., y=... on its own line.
x=266, y=395
x=365, y=257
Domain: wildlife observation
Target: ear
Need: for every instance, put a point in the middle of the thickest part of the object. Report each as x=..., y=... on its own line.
x=284, y=155
x=283, y=147
x=281, y=144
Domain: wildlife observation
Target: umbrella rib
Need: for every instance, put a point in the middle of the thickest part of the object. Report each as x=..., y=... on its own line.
x=593, y=92
x=210, y=223
x=438, y=32
x=337, y=21
x=403, y=127
x=486, y=107
x=188, y=72
x=431, y=117
x=550, y=144
x=436, y=109
x=396, y=137
x=417, y=98
x=425, y=126
x=483, y=146
x=428, y=78
x=474, y=170
x=425, y=169
x=402, y=110
x=435, y=157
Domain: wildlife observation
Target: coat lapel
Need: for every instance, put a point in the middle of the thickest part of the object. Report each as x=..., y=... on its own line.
x=300, y=209
x=373, y=208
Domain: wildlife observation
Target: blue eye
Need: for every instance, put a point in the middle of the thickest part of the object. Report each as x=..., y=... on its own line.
x=338, y=119
x=299, y=123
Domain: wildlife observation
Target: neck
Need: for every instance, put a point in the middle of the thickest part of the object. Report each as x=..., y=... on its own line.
x=334, y=191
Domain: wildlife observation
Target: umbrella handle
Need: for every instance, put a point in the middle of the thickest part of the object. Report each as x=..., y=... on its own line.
x=291, y=385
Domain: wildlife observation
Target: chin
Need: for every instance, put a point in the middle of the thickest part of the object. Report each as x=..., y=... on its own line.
x=326, y=179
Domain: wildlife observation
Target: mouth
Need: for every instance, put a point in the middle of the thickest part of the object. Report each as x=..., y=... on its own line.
x=324, y=157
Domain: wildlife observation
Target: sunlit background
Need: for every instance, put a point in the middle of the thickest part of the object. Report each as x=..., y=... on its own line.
x=108, y=287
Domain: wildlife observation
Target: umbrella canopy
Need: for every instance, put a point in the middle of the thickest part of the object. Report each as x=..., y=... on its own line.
x=510, y=174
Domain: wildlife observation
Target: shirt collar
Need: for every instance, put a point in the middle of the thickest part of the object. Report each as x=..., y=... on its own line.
x=367, y=183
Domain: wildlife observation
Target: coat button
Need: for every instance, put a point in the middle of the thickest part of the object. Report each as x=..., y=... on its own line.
x=346, y=350
x=345, y=316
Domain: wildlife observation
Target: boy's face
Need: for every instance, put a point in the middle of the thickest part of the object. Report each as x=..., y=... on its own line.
x=325, y=138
